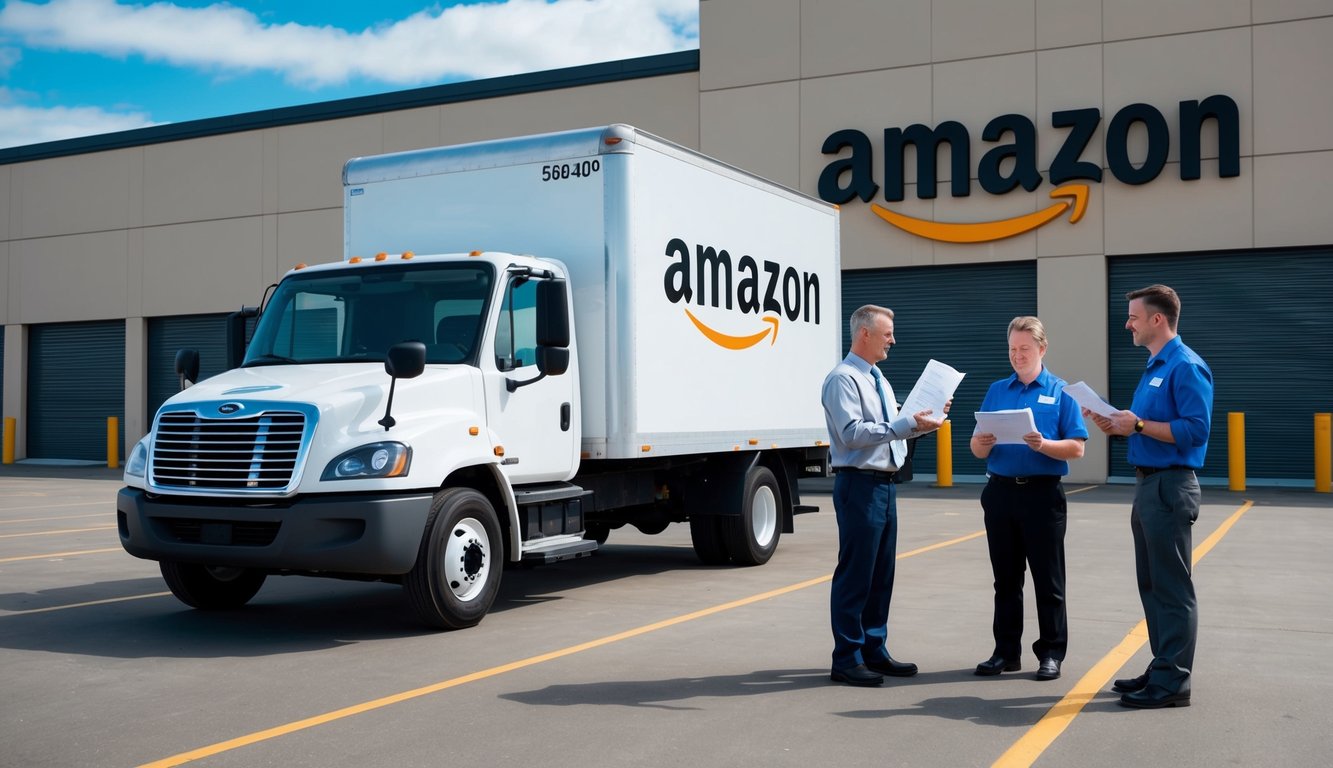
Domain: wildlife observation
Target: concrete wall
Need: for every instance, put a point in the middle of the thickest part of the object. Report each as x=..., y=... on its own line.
x=778, y=76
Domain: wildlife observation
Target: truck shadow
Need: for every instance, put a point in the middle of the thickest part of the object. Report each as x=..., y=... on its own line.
x=138, y=618
x=660, y=694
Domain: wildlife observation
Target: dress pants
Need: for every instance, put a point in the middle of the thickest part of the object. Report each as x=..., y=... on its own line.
x=1166, y=504
x=866, y=508
x=1025, y=525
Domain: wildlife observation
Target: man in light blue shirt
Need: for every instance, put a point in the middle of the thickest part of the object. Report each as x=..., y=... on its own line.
x=868, y=445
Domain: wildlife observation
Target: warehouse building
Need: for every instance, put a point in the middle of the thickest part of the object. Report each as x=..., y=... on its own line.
x=990, y=160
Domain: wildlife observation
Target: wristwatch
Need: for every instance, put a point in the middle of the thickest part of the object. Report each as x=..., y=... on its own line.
x=1138, y=425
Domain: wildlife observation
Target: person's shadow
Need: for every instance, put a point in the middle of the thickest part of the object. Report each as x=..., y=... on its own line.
x=658, y=694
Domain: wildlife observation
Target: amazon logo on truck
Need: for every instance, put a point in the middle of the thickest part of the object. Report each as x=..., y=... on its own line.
x=707, y=277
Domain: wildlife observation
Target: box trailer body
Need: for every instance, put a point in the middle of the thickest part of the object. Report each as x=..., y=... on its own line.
x=580, y=330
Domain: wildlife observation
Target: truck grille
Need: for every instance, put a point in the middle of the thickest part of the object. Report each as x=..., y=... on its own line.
x=256, y=453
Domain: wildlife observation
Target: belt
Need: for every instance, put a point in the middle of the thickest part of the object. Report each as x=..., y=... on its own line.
x=1142, y=472
x=875, y=473
x=1030, y=479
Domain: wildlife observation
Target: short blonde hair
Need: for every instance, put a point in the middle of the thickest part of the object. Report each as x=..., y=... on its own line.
x=1030, y=324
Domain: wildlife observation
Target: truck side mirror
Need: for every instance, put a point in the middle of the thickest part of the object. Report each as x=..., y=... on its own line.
x=236, y=340
x=552, y=313
x=187, y=366
x=552, y=361
x=406, y=360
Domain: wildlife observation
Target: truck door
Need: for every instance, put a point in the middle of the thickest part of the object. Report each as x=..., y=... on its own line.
x=537, y=424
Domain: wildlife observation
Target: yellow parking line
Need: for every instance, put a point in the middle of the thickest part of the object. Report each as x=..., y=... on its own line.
x=102, y=503
x=397, y=698
x=53, y=533
x=89, y=603
x=1027, y=749
x=59, y=554
x=45, y=519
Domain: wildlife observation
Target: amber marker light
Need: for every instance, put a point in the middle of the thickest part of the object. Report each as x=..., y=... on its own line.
x=645, y=448
x=611, y=141
x=407, y=256
x=381, y=256
x=499, y=450
x=754, y=441
x=302, y=265
x=475, y=253
x=473, y=431
x=354, y=260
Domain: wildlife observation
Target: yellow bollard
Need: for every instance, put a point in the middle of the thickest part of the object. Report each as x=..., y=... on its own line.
x=1323, y=467
x=10, y=433
x=112, y=442
x=944, y=456
x=1236, y=451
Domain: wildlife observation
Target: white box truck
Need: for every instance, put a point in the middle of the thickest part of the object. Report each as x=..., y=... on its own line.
x=527, y=343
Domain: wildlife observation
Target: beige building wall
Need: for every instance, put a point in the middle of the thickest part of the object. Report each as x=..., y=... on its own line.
x=203, y=225
x=871, y=65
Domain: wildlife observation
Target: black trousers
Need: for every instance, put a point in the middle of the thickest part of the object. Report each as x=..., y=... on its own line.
x=1025, y=525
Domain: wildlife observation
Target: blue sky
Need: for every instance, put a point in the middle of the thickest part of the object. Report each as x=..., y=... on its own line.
x=83, y=67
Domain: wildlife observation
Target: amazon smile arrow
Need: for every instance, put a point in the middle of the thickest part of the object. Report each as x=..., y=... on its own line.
x=986, y=231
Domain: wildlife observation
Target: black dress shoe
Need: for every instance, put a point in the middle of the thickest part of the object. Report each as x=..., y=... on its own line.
x=857, y=675
x=997, y=664
x=1049, y=669
x=1130, y=684
x=1156, y=697
x=892, y=668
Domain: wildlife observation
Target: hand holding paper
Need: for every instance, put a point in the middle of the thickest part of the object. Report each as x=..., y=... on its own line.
x=932, y=390
x=1089, y=399
x=1008, y=426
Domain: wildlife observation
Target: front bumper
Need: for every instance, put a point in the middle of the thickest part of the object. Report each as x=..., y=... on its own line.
x=363, y=534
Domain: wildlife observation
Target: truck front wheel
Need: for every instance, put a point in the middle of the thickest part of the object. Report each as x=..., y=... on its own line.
x=210, y=587
x=458, y=568
x=752, y=536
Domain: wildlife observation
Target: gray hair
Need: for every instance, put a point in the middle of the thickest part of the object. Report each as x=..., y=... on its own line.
x=864, y=317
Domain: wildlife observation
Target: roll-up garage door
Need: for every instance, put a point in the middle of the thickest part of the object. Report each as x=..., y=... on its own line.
x=956, y=314
x=1261, y=320
x=207, y=334
x=76, y=379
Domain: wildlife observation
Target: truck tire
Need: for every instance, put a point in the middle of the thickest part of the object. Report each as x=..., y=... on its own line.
x=752, y=536
x=210, y=587
x=457, y=573
x=710, y=545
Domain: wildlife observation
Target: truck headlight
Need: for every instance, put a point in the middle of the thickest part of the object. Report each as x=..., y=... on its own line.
x=137, y=464
x=373, y=460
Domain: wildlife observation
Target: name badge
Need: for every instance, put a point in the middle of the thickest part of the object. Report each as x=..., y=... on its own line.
x=1156, y=382
x=1045, y=400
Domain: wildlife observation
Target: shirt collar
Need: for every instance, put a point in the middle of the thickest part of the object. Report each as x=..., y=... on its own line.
x=1167, y=352
x=859, y=363
x=1043, y=380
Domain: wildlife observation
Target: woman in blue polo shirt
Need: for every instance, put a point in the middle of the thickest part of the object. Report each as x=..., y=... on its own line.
x=1024, y=502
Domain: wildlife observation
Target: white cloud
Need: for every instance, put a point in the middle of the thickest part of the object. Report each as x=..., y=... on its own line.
x=21, y=125
x=460, y=42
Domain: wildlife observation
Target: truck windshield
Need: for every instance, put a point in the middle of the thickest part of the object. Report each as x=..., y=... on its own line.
x=355, y=315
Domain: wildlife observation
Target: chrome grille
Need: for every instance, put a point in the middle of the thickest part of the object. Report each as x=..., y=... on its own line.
x=255, y=453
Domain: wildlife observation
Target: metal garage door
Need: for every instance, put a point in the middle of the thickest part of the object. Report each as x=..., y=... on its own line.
x=76, y=379
x=205, y=333
x=1261, y=320
x=956, y=314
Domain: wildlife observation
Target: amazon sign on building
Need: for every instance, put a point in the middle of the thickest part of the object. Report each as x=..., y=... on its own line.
x=991, y=159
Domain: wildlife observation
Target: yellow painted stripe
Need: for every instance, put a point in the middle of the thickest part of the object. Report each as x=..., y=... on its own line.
x=53, y=533
x=1027, y=749
x=397, y=698
x=54, y=555
x=90, y=603
x=46, y=519
x=55, y=506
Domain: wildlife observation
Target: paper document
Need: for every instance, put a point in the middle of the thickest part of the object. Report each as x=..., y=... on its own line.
x=932, y=390
x=1089, y=399
x=1007, y=426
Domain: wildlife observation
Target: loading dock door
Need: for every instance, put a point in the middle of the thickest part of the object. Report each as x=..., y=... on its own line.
x=76, y=379
x=207, y=334
x=955, y=314
x=1261, y=320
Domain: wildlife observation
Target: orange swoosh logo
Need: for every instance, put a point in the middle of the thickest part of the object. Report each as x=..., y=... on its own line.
x=985, y=231
x=735, y=342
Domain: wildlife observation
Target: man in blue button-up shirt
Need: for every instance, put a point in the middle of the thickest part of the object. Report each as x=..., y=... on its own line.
x=868, y=444
x=1167, y=427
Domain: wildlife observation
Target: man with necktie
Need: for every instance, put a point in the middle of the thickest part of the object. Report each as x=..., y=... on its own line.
x=868, y=445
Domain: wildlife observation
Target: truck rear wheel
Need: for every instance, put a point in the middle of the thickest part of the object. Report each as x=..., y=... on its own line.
x=458, y=568
x=752, y=536
x=211, y=587
x=710, y=545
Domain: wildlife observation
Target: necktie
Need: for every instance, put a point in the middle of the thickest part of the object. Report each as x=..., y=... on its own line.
x=883, y=397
